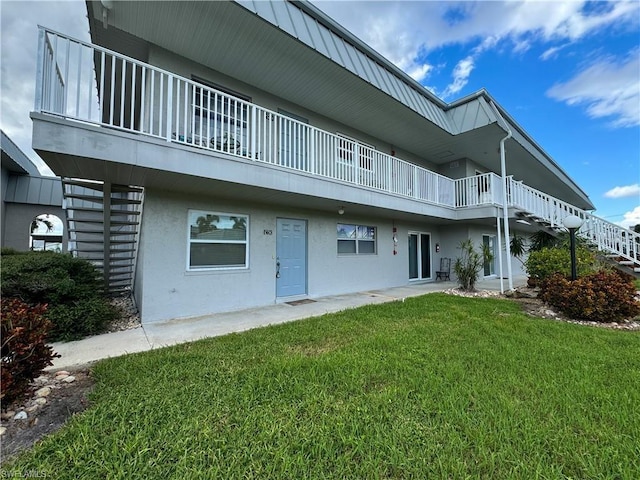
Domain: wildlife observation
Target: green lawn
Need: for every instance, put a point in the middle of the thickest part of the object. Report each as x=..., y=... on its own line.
x=433, y=387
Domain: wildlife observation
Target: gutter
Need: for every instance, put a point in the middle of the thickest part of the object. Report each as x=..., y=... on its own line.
x=505, y=206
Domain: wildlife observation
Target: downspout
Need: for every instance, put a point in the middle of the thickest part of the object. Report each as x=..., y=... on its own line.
x=505, y=205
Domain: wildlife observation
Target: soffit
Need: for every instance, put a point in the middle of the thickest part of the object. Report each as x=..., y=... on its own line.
x=336, y=79
x=228, y=38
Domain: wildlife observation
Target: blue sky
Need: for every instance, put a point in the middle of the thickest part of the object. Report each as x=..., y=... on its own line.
x=568, y=72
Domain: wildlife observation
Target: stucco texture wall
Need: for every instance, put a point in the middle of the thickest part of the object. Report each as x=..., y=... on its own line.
x=16, y=223
x=167, y=290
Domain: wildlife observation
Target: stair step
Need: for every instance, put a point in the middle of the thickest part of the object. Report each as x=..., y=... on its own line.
x=98, y=232
x=120, y=274
x=626, y=262
x=128, y=266
x=101, y=221
x=100, y=250
x=113, y=242
x=99, y=187
x=101, y=211
x=98, y=199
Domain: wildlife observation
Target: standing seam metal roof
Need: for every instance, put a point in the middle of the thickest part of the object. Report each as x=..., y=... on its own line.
x=309, y=25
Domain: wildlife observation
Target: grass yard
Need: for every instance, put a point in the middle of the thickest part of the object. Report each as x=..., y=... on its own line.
x=434, y=387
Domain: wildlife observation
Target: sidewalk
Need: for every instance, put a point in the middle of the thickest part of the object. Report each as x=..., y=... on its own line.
x=161, y=334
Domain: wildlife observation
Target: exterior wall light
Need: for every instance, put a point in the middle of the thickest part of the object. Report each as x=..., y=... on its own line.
x=341, y=211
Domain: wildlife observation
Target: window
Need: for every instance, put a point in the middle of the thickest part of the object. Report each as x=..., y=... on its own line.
x=221, y=117
x=217, y=240
x=356, y=239
x=46, y=233
x=350, y=148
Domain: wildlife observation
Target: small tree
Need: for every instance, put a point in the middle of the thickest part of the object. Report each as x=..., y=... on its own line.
x=469, y=264
x=517, y=247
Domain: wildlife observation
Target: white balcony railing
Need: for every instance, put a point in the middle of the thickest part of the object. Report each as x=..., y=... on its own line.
x=96, y=85
x=84, y=82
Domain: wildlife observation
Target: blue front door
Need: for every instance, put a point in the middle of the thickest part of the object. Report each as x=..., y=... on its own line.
x=291, y=257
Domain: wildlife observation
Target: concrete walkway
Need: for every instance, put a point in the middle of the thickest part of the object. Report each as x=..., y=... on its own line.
x=161, y=334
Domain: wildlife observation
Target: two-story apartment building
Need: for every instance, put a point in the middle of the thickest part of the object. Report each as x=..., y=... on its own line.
x=240, y=153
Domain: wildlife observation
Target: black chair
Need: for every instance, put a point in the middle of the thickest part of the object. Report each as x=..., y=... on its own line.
x=445, y=269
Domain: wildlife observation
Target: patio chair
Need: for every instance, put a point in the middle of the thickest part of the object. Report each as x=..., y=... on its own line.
x=445, y=269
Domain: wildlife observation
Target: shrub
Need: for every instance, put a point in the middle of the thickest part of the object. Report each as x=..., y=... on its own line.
x=467, y=267
x=605, y=296
x=24, y=352
x=72, y=288
x=49, y=277
x=548, y=261
x=80, y=319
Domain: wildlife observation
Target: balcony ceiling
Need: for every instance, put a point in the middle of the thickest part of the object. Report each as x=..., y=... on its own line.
x=230, y=39
x=226, y=37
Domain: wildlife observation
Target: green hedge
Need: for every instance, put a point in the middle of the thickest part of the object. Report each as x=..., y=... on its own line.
x=71, y=287
x=543, y=263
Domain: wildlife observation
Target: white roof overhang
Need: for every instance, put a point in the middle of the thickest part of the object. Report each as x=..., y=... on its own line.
x=293, y=51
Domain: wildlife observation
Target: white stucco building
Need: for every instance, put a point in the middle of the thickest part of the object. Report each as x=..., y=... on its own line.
x=236, y=154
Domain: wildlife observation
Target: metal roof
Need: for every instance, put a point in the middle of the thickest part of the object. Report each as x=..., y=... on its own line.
x=13, y=159
x=312, y=27
x=291, y=50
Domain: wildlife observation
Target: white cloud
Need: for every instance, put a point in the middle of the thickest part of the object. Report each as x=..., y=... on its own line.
x=461, y=74
x=626, y=191
x=553, y=52
x=405, y=32
x=18, y=43
x=631, y=219
x=607, y=89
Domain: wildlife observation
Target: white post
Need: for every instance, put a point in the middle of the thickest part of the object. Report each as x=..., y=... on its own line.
x=169, y=113
x=254, y=121
x=39, y=70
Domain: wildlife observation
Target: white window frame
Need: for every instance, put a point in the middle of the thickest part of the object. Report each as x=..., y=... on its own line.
x=357, y=239
x=190, y=241
x=347, y=157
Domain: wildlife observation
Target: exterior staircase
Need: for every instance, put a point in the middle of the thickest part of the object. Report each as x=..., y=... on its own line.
x=617, y=244
x=103, y=222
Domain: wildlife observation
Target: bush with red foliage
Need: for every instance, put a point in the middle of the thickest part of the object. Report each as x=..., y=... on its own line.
x=24, y=351
x=605, y=296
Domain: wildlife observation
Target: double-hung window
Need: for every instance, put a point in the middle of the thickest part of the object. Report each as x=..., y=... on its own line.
x=356, y=239
x=217, y=240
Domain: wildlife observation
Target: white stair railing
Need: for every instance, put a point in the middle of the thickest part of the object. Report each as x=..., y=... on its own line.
x=605, y=235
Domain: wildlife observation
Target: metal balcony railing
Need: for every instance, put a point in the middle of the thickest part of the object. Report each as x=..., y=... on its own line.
x=88, y=83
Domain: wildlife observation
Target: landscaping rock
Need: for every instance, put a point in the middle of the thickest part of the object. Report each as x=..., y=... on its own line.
x=2, y=430
x=7, y=415
x=69, y=379
x=40, y=401
x=20, y=415
x=43, y=392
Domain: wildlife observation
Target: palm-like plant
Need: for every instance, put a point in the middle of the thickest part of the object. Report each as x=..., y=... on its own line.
x=206, y=222
x=239, y=223
x=469, y=264
x=40, y=220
